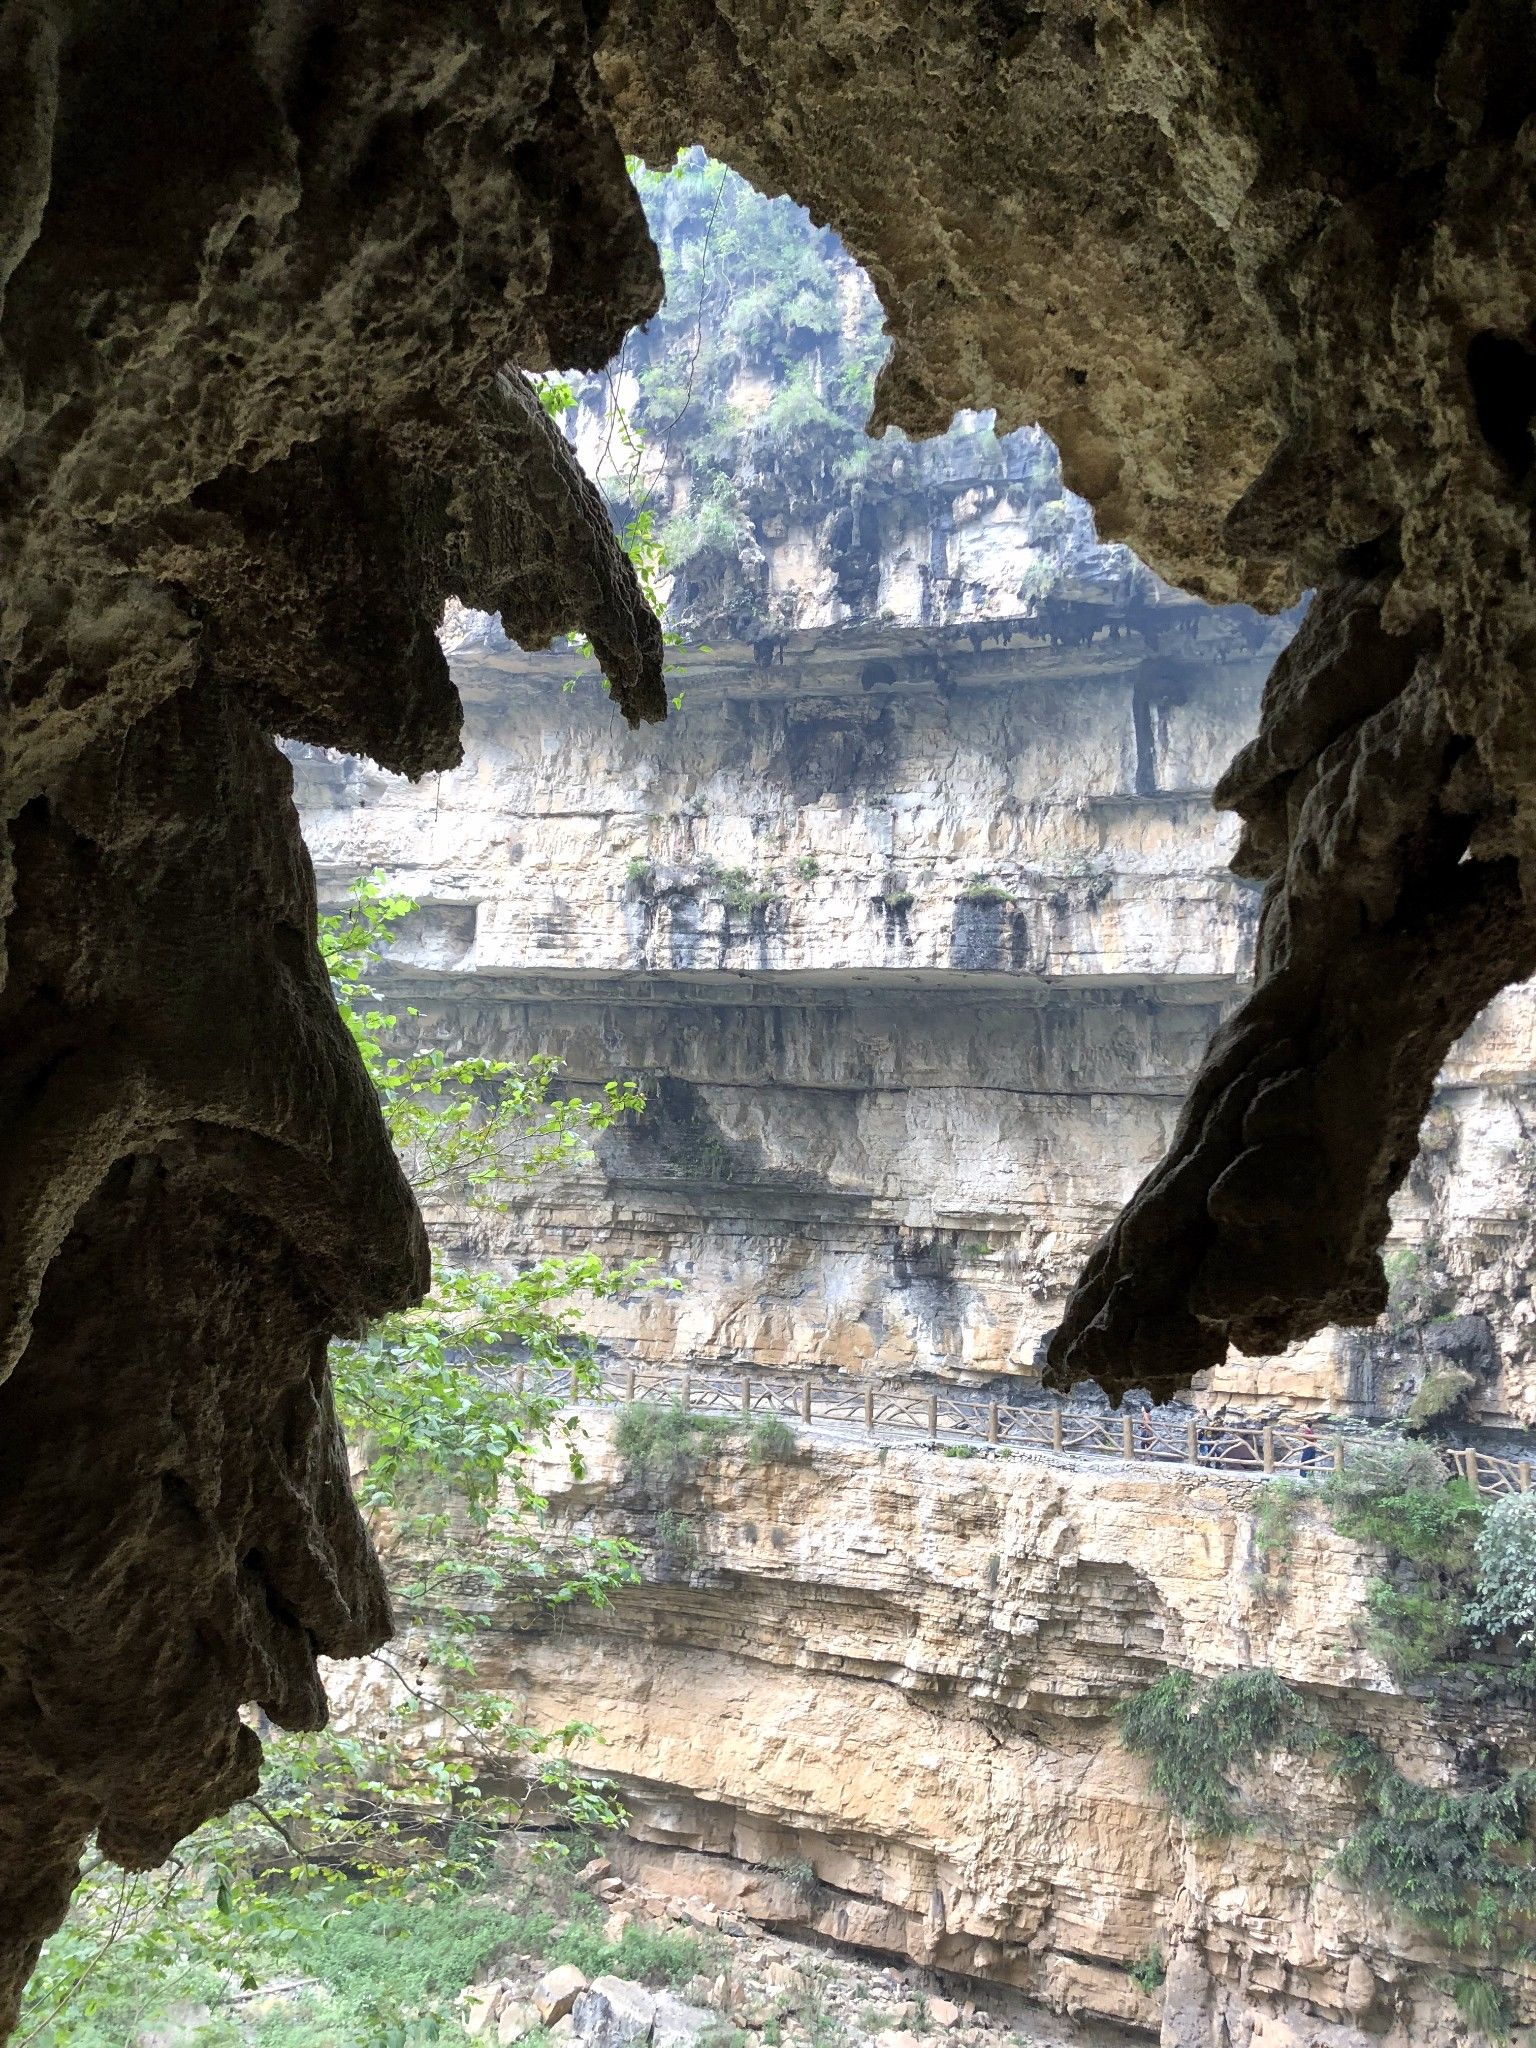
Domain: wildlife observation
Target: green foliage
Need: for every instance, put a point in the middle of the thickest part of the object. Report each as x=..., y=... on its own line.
x=982, y=890
x=640, y=874
x=1149, y=1972
x=677, y=1538
x=1459, y=1863
x=1274, y=1520
x=1397, y=1495
x=771, y=1441
x=353, y=1833
x=662, y=1444
x=1505, y=1600
x=1195, y=1736
x=895, y=896
x=1483, y=2006
x=800, y=1876
x=739, y=888
x=807, y=867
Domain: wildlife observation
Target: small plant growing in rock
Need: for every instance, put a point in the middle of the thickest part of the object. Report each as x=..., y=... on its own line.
x=807, y=867
x=772, y=1442
x=677, y=1539
x=740, y=891
x=983, y=891
x=1149, y=1972
x=1274, y=1521
x=640, y=874
x=661, y=1445
x=1483, y=2006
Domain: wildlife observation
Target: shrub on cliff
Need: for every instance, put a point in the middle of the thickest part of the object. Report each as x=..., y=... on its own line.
x=772, y=1442
x=1459, y=1863
x=1505, y=1601
x=662, y=1443
x=1195, y=1736
x=1397, y=1495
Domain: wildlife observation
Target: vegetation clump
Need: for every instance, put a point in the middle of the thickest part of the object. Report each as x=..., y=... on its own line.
x=1458, y=1863
x=1397, y=1495
x=771, y=1441
x=1505, y=1600
x=663, y=1443
x=1149, y=1972
x=984, y=892
x=1195, y=1736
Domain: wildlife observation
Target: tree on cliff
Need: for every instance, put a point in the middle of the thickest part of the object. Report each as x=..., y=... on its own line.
x=363, y=1826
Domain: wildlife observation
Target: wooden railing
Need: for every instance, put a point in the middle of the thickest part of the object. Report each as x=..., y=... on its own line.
x=961, y=1416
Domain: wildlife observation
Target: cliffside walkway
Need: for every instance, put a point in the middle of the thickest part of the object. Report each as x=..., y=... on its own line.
x=884, y=1410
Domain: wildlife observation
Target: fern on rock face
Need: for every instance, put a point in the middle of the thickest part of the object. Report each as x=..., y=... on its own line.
x=1195, y=1736
x=1459, y=1863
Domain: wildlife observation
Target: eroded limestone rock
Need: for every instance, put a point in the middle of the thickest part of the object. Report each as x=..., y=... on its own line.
x=266, y=277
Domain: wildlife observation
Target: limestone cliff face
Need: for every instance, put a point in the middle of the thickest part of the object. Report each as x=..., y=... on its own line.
x=900, y=1669
x=914, y=933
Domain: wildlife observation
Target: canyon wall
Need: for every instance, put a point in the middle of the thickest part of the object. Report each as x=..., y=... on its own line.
x=869, y=1693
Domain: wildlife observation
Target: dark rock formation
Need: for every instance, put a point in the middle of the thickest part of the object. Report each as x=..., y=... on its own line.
x=260, y=268
x=1268, y=280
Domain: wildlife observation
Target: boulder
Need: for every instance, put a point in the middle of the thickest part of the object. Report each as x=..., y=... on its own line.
x=1360, y=1982
x=611, y=2013
x=516, y=2019
x=480, y=2004
x=677, y=2025
x=943, y=2012
x=556, y=1992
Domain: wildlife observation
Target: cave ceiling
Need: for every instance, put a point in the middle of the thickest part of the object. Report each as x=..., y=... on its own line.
x=267, y=273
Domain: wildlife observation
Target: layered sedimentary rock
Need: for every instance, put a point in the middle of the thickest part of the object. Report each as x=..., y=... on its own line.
x=874, y=1698
x=913, y=921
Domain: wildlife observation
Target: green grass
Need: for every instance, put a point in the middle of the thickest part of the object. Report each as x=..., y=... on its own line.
x=662, y=1444
x=771, y=1441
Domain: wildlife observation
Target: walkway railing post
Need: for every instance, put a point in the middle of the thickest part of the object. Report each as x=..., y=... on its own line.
x=687, y=1392
x=522, y=1379
x=629, y=1385
x=1056, y=1429
x=746, y=1394
x=1525, y=1475
x=805, y=1402
x=1269, y=1447
x=991, y=1422
x=869, y=1407
x=1338, y=1454
x=1472, y=1467
x=1192, y=1441
x=1127, y=1436
x=933, y=1415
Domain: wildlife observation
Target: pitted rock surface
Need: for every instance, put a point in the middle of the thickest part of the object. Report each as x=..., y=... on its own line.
x=268, y=280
